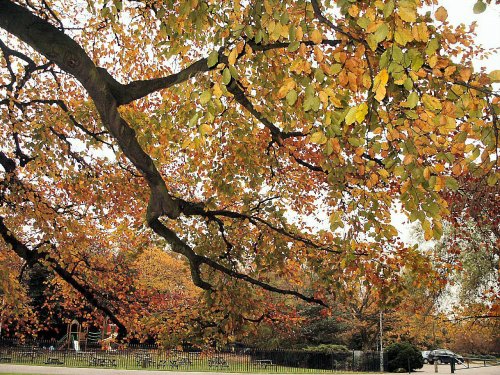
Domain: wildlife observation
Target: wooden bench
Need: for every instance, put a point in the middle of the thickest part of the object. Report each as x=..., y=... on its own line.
x=53, y=361
x=180, y=361
x=217, y=362
x=102, y=362
x=263, y=363
x=162, y=363
x=5, y=359
x=144, y=360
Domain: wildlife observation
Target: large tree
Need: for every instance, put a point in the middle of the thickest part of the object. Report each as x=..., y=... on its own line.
x=224, y=132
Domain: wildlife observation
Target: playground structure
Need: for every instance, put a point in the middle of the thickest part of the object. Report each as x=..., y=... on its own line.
x=78, y=339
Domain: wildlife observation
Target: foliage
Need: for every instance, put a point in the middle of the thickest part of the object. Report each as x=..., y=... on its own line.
x=326, y=348
x=221, y=133
x=403, y=355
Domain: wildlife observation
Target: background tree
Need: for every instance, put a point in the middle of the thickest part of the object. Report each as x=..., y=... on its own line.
x=219, y=131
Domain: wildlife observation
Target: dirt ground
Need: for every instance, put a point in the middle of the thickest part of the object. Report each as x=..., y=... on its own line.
x=45, y=370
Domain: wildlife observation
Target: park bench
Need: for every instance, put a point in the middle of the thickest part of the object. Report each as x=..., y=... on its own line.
x=162, y=363
x=180, y=361
x=263, y=363
x=53, y=361
x=5, y=359
x=102, y=362
x=144, y=360
x=217, y=362
x=28, y=354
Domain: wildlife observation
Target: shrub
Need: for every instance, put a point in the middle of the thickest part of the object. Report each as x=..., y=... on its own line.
x=326, y=348
x=403, y=355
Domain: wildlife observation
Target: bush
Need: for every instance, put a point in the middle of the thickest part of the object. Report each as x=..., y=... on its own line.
x=326, y=348
x=403, y=355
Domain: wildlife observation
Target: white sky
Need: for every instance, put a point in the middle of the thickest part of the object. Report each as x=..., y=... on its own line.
x=488, y=26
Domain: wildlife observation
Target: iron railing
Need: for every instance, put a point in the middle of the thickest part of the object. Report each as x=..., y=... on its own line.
x=225, y=360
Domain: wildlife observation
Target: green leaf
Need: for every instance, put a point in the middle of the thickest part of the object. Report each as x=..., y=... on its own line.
x=451, y=183
x=363, y=22
x=205, y=97
x=492, y=179
x=437, y=232
x=194, y=120
x=412, y=100
x=226, y=76
x=213, y=59
x=479, y=7
x=381, y=33
x=388, y=8
x=294, y=46
x=432, y=46
x=291, y=97
x=335, y=68
x=233, y=71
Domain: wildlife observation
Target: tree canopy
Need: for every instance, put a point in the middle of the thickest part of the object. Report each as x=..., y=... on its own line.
x=263, y=145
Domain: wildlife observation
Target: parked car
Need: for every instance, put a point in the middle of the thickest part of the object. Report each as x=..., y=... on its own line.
x=425, y=356
x=444, y=356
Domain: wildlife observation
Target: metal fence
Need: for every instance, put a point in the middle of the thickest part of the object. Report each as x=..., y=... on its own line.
x=474, y=362
x=152, y=357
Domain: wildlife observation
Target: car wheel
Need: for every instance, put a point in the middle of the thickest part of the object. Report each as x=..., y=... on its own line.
x=439, y=362
x=425, y=361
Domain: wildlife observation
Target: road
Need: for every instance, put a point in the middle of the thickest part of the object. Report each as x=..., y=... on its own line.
x=46, y=370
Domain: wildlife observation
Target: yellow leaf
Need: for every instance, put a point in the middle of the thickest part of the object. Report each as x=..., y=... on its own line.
x=318, y=138
x=299, y=34
x=431, y=102
x=232, y=56
x=441, y=14
x=440, y=183
x=427, y=173
x=495, y=76
x=407, y=11
x=205, y=129
x=457, y=169
x=217, y=91
x=408, y=159
x=383, y=173
x=465, y=74
x=379, y=84
x=361, y=112
x=323, y=96
x=350, y=117
x=318, y=54
x=288, y=85
x=316, y=37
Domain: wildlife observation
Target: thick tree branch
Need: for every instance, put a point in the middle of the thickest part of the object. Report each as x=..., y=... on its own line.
x=278, y=135
x=195, y=261
x=70, y=57
x=126, y=93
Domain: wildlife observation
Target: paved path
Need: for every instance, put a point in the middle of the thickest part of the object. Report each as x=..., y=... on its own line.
x=46, y=370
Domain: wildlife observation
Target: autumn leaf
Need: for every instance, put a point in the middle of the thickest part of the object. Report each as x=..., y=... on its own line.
x=316, y=36
x=406, y=10
x=441, y=14
x=379, y=84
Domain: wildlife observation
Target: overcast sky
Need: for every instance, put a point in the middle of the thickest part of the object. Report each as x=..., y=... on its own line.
x=488, y=26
